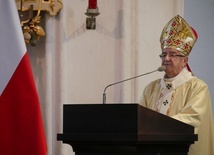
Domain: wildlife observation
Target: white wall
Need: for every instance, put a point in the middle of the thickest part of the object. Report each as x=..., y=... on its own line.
x=73, y=65
x=199, y=14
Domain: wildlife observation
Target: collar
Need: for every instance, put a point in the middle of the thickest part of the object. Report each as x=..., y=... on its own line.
x=175, y=82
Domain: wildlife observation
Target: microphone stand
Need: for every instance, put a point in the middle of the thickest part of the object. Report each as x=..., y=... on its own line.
x=104, y=92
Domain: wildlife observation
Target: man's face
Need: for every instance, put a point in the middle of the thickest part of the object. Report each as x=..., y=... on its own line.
x=173, y=61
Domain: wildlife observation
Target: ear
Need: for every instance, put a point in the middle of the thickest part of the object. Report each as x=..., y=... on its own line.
x=186, y=60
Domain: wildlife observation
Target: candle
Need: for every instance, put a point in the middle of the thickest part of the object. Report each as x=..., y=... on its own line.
x=92, y=4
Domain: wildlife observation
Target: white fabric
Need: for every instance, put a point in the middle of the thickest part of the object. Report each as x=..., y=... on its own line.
x=7, y=71
x=190, y=104
x=167, y=92
x=74, y=65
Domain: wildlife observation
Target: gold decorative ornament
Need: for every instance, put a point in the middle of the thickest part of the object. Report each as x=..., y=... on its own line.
x=177, y=34
x=32, y=31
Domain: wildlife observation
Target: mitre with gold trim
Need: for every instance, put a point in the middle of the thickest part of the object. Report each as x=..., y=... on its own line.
x=177, y=34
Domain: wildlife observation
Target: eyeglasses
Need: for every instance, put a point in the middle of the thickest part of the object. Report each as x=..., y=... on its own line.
x=171, y=56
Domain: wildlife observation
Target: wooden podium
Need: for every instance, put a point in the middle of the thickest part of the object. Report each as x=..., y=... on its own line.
x=124, y=129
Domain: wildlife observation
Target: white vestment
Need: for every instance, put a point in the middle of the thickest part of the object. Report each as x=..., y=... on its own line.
x=187, y=99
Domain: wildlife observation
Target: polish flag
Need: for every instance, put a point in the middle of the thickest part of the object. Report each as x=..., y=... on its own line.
x=21, y=126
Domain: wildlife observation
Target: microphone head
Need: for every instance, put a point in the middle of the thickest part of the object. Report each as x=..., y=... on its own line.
x=161, y=68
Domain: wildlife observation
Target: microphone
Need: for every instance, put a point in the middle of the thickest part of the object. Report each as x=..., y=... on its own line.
x=160, y=69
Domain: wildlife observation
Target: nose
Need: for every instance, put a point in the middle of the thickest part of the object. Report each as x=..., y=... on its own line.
x=167, y=58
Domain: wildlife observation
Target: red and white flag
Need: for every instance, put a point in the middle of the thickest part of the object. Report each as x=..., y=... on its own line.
x=21, y=126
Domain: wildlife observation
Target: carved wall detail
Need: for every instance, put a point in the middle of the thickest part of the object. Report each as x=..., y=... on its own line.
x=32, y=31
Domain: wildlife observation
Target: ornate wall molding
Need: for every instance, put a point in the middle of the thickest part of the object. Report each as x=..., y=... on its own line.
x=31, y=29
x=50, y=6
